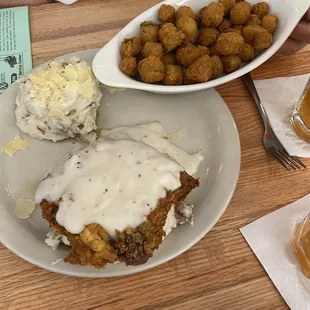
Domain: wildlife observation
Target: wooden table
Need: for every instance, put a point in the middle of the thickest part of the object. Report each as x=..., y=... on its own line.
x=221, y=271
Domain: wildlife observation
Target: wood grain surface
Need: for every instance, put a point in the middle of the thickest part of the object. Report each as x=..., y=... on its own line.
x=221, y=271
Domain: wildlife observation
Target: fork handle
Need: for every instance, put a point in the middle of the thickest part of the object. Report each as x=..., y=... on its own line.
x=248, y=81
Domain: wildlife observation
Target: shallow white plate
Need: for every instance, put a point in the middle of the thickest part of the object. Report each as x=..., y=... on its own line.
x=209, y=125
x=106, y=62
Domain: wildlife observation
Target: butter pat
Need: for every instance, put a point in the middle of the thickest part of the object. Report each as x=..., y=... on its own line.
x=24, y=208
x=15, y=145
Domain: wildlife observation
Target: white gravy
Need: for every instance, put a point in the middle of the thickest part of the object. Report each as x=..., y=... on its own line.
x=117, y=181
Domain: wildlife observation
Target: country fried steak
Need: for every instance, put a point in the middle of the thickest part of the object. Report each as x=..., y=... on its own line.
x=134, y=246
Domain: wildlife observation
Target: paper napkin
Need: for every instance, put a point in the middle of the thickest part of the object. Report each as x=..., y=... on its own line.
x=270, y=238
x=278, y=97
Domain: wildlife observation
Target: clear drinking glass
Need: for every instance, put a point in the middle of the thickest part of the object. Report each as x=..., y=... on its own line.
x=301, y=245
x=300, y=119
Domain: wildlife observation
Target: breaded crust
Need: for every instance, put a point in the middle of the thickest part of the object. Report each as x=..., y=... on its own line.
x=134, y=246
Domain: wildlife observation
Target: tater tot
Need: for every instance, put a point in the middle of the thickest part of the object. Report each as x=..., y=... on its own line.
x=228, y=5
x=229, y=43
x=269, y=22
x=240, y=13
x=249, y=33
x=170, y=37
x=208, y=36
x=169, y=59
x=153, y=49
x=204, y=50
x=217, y=66
x=231, y=63
x=173, y=75
x=189, y=28
x=151, y=69
x=262, y=40
x=261, y=9
x=131, y=47
x=166, y=13
x=129, y=66
x=212, y=15
x=214, y=51
x=201, y=70
x=149, y=32
x=225, y=24
x=237, y=28
x=247, y=53
x=253, y=20
x=187, y=11
x=187, y=55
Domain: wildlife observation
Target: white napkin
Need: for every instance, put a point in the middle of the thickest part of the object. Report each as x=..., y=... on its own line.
x=270, y=238
x=279, y=96
x=67, y=1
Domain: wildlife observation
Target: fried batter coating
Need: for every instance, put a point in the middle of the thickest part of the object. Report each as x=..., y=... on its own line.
x=228, y=5
x=186, y=81
x=262, y=40
x=208, y=36
x=131, y=47
x=189, y=28
x=187, y=55
x=151, y=69
x=149, y=32
x=229, y=43
x=212, y=15
x=225, y=24
x=170, y=37
x=187, y=11
x=93, y=246
x=153, y=49
x=129, y=66
x=200, y=70
x=247, y=54
x=231, y=63
x=261, y=9
x=204, y=50
x=253, y=20
x=217, y=66
x=269, y=22
x=135, y=246
x=249, y=33
x=169, y=59
x=240, y=13
x=214, y=51
x=237, y=28
x=166, y=13
x=173, y=75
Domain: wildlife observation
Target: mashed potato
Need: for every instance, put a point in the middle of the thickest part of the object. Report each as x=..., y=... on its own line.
x=59, y=102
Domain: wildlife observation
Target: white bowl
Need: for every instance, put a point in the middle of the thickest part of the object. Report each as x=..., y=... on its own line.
x=106, y=62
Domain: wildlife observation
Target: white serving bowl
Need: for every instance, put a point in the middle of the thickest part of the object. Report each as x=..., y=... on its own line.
x=106, y=62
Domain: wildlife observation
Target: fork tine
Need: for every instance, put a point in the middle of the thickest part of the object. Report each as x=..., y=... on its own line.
x=289, y=159
x=279, y=159
x=296, y=160
x=300, y=162
x=286, y=160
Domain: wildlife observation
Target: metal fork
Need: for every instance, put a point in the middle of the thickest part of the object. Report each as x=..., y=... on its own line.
x=270, y=140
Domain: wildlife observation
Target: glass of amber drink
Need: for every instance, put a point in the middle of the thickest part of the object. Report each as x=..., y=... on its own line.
x=300, y=119
x=301, y=245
